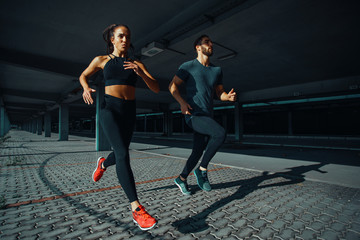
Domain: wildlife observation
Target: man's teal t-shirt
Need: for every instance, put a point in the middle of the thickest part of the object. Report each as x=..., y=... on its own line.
x=200, y=85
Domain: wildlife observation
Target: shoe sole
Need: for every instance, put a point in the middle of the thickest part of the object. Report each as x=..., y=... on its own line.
x=97, y=165
x=144, y=229
x=187, y=194
x=197, y=180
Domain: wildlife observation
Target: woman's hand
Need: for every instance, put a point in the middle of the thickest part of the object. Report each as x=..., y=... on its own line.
x=87, y=96
x=133, y=66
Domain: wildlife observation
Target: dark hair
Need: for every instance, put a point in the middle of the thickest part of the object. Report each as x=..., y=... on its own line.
x=109, y=33
x=199, y=39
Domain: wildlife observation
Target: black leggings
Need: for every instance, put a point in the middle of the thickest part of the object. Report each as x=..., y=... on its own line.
x=208, y=136
x=117, y=118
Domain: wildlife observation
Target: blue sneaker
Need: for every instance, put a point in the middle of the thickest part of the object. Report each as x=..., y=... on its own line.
x=202, y=180
x=184, y=188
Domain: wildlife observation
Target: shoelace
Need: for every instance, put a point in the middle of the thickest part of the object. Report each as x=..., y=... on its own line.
x=204, y=175
x=142, y=213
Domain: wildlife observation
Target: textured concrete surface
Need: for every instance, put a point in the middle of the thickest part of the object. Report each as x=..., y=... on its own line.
x=47, y=193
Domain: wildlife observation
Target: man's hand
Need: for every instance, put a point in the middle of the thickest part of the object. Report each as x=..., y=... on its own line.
x=185, y=109
x=232, y=95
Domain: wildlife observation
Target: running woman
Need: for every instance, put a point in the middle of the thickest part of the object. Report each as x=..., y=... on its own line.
x=201, y=79
x=118, y=114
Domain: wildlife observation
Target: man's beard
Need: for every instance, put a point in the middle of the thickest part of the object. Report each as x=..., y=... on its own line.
x=206, y=52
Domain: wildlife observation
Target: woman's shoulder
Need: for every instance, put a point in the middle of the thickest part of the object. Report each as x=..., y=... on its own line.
x=101, y=60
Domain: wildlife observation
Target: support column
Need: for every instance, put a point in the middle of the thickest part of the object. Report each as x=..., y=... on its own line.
x=39, y=125
x=290, y=123
x=145, y=123
x=155, y=128
x=102, y=143
x=239, y=122
x=168, y=123
x=2, y=121
x=64, y=122
x=182, y=124
x=224, y=121
x=34, y=125
x=7, y=124
x=47, y=124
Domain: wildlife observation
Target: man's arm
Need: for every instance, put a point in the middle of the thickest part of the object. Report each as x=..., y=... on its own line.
x=223, y=96
x=174, y=90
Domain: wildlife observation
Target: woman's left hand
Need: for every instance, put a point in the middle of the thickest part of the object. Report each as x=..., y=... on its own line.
x=133, y=66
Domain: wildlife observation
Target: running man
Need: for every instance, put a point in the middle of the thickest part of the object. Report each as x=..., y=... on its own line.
x=201, y=79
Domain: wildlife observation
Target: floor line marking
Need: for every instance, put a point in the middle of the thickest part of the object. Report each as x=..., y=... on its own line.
x=56, y=165
x=93, y=191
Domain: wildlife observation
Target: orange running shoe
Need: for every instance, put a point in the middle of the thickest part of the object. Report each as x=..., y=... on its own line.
x=98, y=172
x=143, y=219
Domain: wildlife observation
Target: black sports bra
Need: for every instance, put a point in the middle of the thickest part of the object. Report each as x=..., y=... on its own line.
x=115, y=74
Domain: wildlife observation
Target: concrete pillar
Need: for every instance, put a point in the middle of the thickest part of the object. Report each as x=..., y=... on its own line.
x=224, y=121
x=145, y=123
x=168, y=123
x=27, y=124
x=7, y=124
x=64, y=122
x=102, y=143
x=47, y=124
x=239, y=122
x=2, y=121
x=34, y=125
x=290, y=124
x=182, y=125
x=155, y=129
x=39, y=125
x=93, y=125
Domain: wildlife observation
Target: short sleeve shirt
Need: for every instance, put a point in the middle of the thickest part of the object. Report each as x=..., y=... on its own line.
x=200, y=85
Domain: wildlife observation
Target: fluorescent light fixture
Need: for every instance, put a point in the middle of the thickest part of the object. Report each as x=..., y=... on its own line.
x=152, y=49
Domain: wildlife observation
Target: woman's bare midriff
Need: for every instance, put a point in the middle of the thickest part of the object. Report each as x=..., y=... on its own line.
x=121, y=91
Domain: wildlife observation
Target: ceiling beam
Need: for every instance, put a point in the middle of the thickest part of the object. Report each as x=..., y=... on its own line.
x=52, y=97
x=43, y=63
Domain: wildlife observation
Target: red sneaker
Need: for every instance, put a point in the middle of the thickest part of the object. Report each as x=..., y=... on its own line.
x=143, y=219
x=98, y=172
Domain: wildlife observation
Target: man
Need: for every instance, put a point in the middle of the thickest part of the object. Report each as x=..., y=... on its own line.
x=202, y=79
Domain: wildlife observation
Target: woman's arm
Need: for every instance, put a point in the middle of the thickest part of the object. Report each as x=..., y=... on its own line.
x=93, y=67
x=140, y=69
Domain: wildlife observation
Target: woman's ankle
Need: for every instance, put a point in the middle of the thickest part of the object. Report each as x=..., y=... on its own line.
x=134, y=205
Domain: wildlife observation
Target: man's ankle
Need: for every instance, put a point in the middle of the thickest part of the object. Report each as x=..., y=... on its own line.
x=182, y=179
x=202, y=169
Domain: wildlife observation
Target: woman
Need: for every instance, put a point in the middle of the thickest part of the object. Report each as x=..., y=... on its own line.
x=118, y=113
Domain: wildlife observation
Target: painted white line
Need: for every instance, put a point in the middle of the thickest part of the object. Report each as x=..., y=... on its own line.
x=249, y=169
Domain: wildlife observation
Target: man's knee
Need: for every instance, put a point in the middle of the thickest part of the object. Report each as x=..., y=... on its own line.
x=220, y=135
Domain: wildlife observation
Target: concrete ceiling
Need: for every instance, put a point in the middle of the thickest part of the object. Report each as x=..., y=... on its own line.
x=284, y=49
